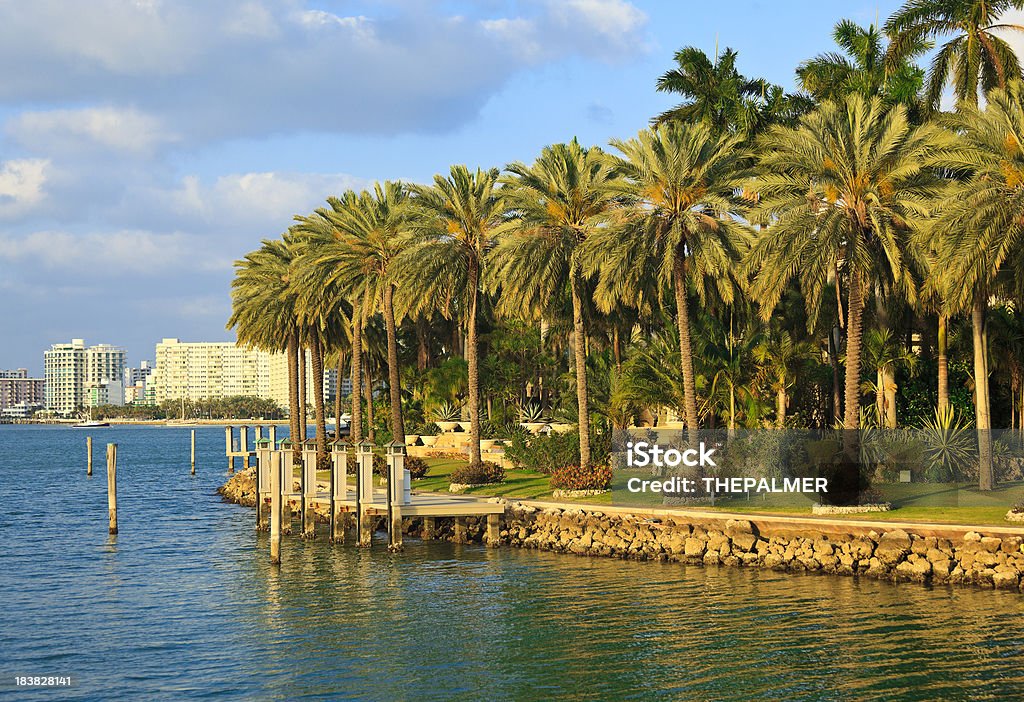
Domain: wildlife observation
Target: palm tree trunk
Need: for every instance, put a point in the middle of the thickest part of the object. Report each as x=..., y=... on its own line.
x=685, y=349
x=422, y=343
x=889, y=396
x=943, y=362
x=337, y=394
x=580, y=337
x=293, y=393
x=355, y=433
x=394, y=375
x=983, y=419
x=473, y=361
x=837, y=397
x=317, y=359
x=371, y=432
x=301, y=360
x=854, y=338
x=780, y=405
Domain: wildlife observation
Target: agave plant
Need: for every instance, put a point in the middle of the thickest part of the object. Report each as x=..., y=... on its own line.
x=949, y=445
x=531, y=412
x=447, y=412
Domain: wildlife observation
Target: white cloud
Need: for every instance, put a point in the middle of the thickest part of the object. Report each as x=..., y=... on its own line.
x=21, y=185
x=253, y=204
x=240, y=68
x=125, y=130
x=102, y=254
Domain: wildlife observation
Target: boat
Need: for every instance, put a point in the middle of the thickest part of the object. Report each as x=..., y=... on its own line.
x=90, y=424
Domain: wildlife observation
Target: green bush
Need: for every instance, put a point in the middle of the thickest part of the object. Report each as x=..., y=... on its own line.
x=483, y=473
x=416, y=466
x=544, y=454
x=577, y=478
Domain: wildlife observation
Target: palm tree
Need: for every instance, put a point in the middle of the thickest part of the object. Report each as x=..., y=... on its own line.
x=555, y=204
x=727, y=361
x=843, y=191
x=863, y=69
x=683, y=180
x=884, y=353
x=780, y=358
x=263, y=311
x=718, y=94
x=460, y=216
x=975, y=55
x=364, y=236
x=982, y=230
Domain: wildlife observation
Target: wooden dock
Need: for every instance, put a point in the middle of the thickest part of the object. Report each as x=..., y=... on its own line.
x=355, y=506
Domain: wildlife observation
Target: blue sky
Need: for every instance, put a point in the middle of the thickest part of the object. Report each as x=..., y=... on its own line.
x=146, y=144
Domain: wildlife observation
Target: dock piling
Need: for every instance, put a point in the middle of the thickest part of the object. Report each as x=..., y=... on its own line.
x=227, y=449
x=339, y=489
x=112, y=486
x=193, y=452
x=493, y=530
x=459, y=535
x=88, y=453
x=243, y=438
x=429, y=529
x=308, y=482
x=364, y=495
x=275, y=505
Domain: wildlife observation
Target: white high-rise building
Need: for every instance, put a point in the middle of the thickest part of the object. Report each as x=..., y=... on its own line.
x=211, y=370
x=74, y=372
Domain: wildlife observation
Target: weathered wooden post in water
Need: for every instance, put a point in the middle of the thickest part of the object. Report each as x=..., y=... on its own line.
x=308, y=488
x=243, y=440
x=227, y=449
x=88, y=451
x=274, y=468
x=396, y=493
x=112, y=486
x=339, y=489
x=364, y=495
x=264, y=467
x=193, y=452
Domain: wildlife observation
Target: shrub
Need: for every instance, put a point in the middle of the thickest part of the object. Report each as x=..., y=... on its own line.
x=577, y=478
x=483, y=473
x=416, y=466
x=544, y=454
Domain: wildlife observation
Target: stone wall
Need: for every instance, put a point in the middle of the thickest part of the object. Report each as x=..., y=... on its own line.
x=896, y=555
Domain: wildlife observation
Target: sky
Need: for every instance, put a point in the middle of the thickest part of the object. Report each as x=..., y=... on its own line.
x=145, y=145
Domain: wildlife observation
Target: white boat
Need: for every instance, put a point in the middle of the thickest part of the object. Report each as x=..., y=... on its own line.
x=92, y=423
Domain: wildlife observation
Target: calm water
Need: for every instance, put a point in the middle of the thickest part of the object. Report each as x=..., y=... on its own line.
x=183, y=604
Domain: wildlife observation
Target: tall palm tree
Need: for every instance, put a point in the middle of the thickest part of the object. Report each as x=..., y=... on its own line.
x=364, y=236
x=717, y=93
x=982, y=229
x=844, y=190
x=555, y=205
x=263, y=310
x=460, y=217
x=976, y=56
x=683, y=180
x=863, y=69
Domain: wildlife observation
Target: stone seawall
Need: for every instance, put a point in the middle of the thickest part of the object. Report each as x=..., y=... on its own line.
x=894, y=554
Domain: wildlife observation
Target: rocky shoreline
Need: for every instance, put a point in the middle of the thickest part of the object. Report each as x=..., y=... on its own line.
x=896, y=555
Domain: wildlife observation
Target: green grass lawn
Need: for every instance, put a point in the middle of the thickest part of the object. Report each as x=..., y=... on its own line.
x=944, y=503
